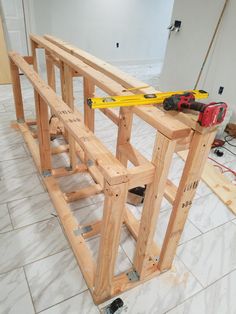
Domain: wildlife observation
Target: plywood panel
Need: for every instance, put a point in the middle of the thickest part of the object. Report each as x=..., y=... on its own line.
x=5, y=77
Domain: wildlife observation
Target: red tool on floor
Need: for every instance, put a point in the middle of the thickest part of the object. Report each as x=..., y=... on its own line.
x=210, y=114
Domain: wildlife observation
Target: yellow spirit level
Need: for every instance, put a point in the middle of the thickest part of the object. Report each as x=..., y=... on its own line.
x=139, y=100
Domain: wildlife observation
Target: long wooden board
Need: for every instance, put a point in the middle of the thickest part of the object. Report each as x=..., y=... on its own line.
x=218, y=183
x=5, y=76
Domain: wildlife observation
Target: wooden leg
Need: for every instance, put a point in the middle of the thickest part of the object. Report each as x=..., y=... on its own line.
x=162, y=157
x=50, y=71
x=34, y=55
x=89, y=91
x=113, y=217
x=124, y=132
x=68, y=97
x=43, y=135
x=198, y=152
x=17, y=92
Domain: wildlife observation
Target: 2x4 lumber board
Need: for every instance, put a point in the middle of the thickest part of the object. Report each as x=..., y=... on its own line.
x=63, y=172
x=124, y=132
x=119, y=76
x=133, y=226
x=70, y=224
x=141, y=175
x=197, y=156
x=184, y=142
x=28, y=59
x=83, y=193
x=80, y=249
x=89, y=92
x=167, y=125
x=60, y=149
x=67, y=78
x=16, y=85
x=132, y=154
x=170, y=191
x=111, y=114
x=218, y=183
x=43, y=133
x=114, y=73
x=50, y=71
x=110, y=167
x=162, y=157
x=113, y=217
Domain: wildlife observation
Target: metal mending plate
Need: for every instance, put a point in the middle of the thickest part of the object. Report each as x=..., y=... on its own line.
x=81, y=231
x=133, y=275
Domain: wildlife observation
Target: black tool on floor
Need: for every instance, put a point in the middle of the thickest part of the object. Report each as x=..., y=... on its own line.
x=115, y=307
x=218, y=152
x=136, y=195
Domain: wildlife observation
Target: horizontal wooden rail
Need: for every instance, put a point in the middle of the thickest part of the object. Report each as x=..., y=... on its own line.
x=111, y=168
x=83, y=193
x=170, y=127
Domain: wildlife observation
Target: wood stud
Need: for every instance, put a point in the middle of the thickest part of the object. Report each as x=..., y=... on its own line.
x=109, y=173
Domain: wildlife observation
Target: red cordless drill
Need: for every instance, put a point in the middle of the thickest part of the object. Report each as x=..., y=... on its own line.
x=210, y=114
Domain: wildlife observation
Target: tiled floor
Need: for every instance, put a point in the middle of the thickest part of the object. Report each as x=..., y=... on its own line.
x=38, y=271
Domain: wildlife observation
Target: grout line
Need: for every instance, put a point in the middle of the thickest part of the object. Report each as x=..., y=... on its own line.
x=77, y=294
x=29, y=289
x=37, y=260
x=8, y=210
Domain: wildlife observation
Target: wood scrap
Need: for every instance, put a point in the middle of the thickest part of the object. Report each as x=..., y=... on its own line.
x=218, y=183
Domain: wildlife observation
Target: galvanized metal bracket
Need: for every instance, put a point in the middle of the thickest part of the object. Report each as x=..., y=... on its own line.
x=21, y=120
x=46, y=173
x=133, y=275
x=81, y=230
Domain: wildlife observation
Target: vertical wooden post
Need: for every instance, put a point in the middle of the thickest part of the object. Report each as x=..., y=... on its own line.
x=124, y=132
x=34, y=55
x=50, y=71
x=89, y=91
x=198, y=153
x=16, y=85
x=68, y=98
x=113, y=215
x=162, y=156
x=43, y=135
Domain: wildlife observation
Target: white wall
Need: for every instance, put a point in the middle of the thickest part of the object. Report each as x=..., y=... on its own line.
x=186, y=50
x=95, y=26
x=221, y=68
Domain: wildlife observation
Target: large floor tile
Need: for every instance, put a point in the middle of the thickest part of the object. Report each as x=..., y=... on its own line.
x=18, y=188
x=28, y=244
x=219, y=298
x=5, y=220
x=129, y=244
x=209, y=212
x=12, y=152
x=16, y=168
x=29, y=210
x=211, y=255
x=81, y=303
x=9, y=136
x=54, y=279
x=161, y=293
x=122, y=261
x=14, y=296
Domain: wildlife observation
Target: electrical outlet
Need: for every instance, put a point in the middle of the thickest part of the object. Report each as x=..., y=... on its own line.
x=117, y=45
x=221, y=89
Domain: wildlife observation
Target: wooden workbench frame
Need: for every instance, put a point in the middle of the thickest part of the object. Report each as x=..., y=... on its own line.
x=110, y=174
